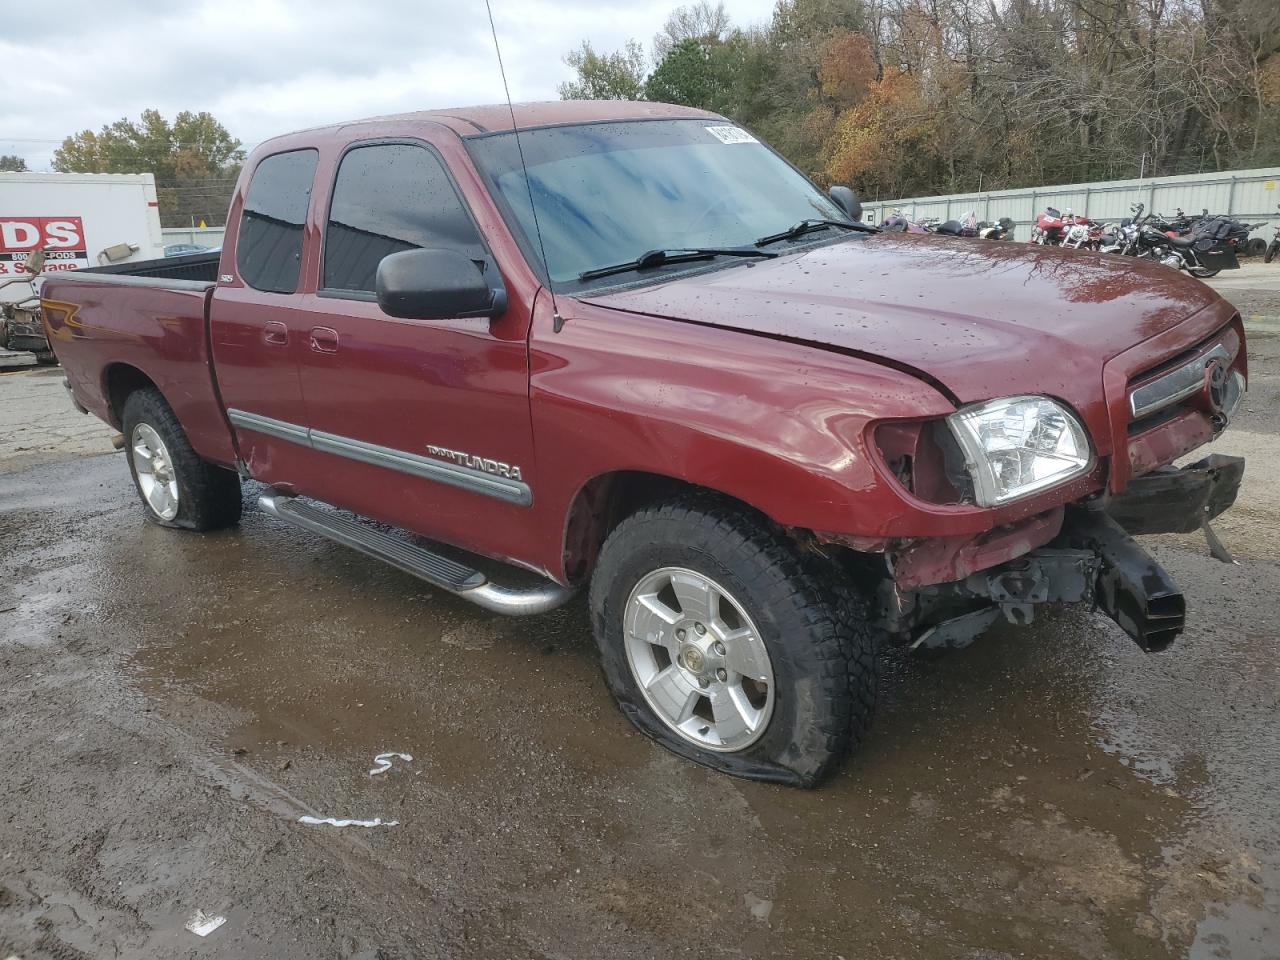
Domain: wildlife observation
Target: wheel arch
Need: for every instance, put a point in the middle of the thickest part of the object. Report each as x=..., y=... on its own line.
x=605, y=500
x=119, y=380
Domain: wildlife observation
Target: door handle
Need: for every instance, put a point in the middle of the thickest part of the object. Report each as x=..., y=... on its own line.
x=324, y=340
x=273, y=331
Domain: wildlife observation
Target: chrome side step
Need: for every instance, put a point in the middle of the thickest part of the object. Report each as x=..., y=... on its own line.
x=422, y=563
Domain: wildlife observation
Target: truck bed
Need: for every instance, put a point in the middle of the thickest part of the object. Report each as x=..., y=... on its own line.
x=201, y=266
x=113, y=327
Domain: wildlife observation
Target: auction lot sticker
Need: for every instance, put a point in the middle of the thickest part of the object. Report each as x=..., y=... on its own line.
x=62, y=238
x=731, y=134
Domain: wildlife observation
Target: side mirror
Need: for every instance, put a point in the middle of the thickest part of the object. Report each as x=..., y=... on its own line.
x=434, y=284
x=848, y=202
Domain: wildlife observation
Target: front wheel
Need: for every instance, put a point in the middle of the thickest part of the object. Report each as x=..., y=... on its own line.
x=723, y=643
x=1272, y=250
x=177, y=488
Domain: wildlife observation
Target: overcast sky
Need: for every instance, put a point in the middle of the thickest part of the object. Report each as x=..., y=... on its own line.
x=265, y=67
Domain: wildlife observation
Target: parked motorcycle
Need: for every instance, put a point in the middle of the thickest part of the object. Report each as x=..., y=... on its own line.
x=1053, y=227
x=1048, y=228
x=1273, y=248
x=899, y=221
x=1123, y=239
x=1002, y=229
x=1084, y=234
x=1208, y=250
x=1180, y=224
x=966, y=226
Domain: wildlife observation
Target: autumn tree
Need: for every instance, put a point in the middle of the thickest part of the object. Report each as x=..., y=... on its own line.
x=195, y=160
x=847, y=68
x=886, y=145
x=918, y=97
x=796, y=117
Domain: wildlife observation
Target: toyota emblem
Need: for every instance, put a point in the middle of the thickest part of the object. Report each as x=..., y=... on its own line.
x=1215, y=385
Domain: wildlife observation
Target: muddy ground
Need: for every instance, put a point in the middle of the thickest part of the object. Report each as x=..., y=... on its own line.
x=174, y=703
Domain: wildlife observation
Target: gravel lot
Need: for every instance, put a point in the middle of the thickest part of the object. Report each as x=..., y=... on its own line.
x=175, y=703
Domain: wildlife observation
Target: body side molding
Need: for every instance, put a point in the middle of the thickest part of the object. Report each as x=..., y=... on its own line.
x=452, y=474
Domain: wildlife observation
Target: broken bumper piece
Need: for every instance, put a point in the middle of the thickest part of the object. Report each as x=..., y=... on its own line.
x=1094, y=560
x=1178, y=499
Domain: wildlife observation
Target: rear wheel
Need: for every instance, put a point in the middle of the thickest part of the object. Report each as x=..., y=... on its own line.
x=723, y=643
x=177, y=488
x=1203, y=273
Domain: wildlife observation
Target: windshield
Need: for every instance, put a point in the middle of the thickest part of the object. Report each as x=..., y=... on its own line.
x=609, y=192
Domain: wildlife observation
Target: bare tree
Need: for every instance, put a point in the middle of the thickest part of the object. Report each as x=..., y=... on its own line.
x=697, y=21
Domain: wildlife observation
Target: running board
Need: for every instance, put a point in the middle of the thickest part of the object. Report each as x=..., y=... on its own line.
x=438, y=571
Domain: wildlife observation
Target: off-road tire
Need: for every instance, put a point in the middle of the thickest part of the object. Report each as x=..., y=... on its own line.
x=1272, y=249
x=814, y=622
x=209, y=496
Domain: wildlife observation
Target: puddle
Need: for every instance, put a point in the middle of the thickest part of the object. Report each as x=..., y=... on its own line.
x=1050, y=791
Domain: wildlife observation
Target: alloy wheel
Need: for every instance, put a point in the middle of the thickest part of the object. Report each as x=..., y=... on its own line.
x=157, y=478
x=699, y=660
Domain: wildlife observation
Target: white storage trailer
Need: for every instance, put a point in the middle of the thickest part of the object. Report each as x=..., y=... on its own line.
x=79, y=219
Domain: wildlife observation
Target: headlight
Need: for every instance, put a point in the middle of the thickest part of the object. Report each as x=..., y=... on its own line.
x=1018, y=445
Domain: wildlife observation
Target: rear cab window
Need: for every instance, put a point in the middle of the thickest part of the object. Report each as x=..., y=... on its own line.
x=269, y=243
x=389, y=197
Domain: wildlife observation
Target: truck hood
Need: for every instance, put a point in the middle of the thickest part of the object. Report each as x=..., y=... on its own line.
x=977, y=318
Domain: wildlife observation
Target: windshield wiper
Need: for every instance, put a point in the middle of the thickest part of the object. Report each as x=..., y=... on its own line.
x=657, y=258
x=797, y=230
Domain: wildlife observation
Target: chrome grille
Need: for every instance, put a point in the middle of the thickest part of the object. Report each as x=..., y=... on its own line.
x=1178, y=384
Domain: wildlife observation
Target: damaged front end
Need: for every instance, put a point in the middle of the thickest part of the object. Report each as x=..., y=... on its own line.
x=1092, y=558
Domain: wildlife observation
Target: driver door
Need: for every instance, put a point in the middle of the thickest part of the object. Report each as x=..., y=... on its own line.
x=413, y=418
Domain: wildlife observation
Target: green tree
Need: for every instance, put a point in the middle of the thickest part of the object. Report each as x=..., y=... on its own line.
x=690, y=74
x=609, y=76
x=10, y=163
x=195, y=160
x=728, y=73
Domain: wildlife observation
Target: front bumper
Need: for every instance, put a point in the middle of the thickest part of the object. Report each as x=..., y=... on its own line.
x=1093, y=559
x=1178, y=500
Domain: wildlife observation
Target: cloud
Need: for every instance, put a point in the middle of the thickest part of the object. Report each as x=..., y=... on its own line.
x=265, y=67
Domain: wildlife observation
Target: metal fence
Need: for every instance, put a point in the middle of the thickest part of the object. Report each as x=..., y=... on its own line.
x=1249, y=195
x=200, y=236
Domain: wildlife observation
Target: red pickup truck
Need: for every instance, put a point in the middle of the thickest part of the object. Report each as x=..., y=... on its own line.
x=626, y=345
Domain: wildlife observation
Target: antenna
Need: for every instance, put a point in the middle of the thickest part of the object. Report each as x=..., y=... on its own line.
x=557, y=320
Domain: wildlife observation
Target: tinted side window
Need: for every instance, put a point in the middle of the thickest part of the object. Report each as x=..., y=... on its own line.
x=269, y=246
x=387, y=198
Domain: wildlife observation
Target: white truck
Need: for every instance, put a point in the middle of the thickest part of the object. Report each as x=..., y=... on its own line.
x=78, y=220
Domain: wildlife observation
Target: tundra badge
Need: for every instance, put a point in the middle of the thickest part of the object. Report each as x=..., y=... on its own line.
x=496, y=467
